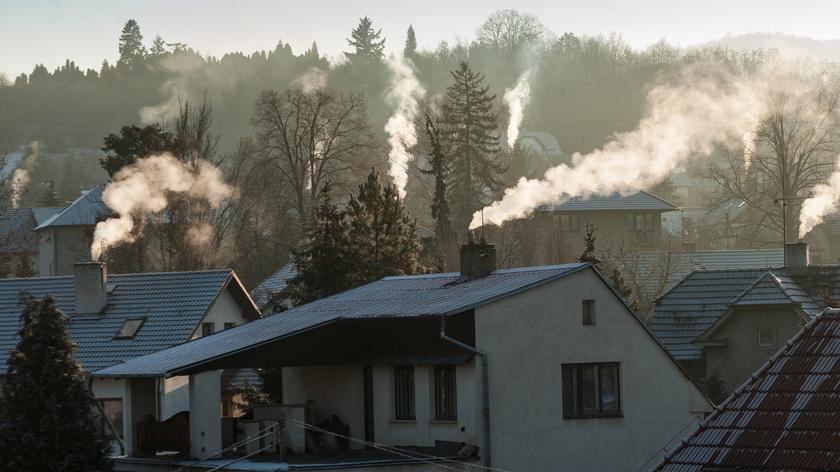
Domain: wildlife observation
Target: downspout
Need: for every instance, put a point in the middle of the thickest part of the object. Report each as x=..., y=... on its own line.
x=117, y=435
x=485, y=384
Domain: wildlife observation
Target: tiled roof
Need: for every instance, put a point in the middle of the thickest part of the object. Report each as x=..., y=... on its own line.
x=786, y=417
x=401, y=296
x=173, y=304
x=696, y=303
x=273, y=284
x=85, y=210
x=17, y=230
x=668, y=268
x=625, y=199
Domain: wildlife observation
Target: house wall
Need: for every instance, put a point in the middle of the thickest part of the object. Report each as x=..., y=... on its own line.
x=741, y=356
x=528, y=337
x=61, y=247
x=334, y=390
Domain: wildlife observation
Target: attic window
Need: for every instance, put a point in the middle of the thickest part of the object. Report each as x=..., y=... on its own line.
x=129, y=328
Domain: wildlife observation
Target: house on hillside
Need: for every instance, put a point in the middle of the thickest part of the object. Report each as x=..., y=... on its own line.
x=19, y=249
x=270, y=294
x=113, y=318
x=728, y=322
x=64, y=239
x=517, y=369
x=783, y=418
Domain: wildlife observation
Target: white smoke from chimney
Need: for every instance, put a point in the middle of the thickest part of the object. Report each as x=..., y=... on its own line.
x=517, y=99
x=404, y=94
x=313, y=80
x=20, y=177
x=705, y=108
x=824, y=198
x=145, y=188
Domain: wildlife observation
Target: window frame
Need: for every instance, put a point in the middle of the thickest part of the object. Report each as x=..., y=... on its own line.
x=758, y=342
x=205, y=324
x=106, y=430
x=592, y=321
x=442, y=401
x=573, y=407
x=405, y=398
x=229, y=325
x=133, y=335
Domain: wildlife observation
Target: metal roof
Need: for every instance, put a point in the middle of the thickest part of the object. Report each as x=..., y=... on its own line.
x=624, y=199
x=85, y=210
x=695, y=304
x=173, y=303
x=273, y=284
x=390, y=297
x=785, y=417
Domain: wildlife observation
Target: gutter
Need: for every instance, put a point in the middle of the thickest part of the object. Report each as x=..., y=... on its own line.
x=117, y=435
x=485, y=383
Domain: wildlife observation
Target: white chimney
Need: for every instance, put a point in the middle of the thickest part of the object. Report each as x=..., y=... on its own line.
x=89, y=286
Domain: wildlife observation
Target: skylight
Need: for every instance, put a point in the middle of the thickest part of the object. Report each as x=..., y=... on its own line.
x=129, y=328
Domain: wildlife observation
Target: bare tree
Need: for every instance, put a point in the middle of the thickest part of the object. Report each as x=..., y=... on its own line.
x=510, y=31
x=793, y=149
x=309, y=139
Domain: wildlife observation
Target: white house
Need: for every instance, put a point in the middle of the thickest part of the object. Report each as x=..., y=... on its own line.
x=114, y=318
x=540, y=368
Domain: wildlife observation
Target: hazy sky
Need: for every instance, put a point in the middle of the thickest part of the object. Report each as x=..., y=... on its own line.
x=48, y=31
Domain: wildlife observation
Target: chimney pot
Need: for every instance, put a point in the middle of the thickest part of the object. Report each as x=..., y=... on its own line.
x=477, y=260
x=90, y=287
x=797, y=255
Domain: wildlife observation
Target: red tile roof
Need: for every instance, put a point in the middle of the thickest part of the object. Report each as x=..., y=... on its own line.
x=785, y=417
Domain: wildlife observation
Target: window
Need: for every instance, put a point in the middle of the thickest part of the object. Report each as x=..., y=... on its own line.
x=641, y=222
x=129, y=328
x=446, y=407
x=589, y=312
x=230, y=324
x=766, y=337
x=570, y=223
x=113, y=408
x=591, y=390
x=208, y=328
x=404, y=392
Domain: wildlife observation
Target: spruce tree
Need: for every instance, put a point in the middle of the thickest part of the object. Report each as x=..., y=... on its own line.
x=440, y=205
x=589, y=247
x=134, y=143
x=410, y=50
x=50, y=196
x=158, y=47
x=368, y=43
x=46, y=409
x=472, y=143
x=132, y=51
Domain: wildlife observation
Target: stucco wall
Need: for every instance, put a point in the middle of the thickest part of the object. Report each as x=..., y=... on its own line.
x=62, y=247
x=529, y=337
x=224, y=309
x=741, y=356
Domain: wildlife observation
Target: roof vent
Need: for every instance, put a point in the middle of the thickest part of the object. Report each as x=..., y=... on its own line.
x=90, y=287
x=477, y=259
x=796, y=255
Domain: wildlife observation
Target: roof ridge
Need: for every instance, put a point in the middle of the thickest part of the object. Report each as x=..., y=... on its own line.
x=757, y=281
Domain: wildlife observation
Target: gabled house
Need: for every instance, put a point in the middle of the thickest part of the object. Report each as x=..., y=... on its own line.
x=783, y=418
x=65, y=237
x=726, y=323
x=519, y=369
x=113, y=318
x=19, y=248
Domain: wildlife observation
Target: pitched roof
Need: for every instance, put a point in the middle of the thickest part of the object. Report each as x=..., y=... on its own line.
x=624, y=199
x=273, y=284
x=17, y=230
x=541, y=141
x=85, y=210
x=390, y=297
x=785, y=417
x=172, y=303
x=695, y=304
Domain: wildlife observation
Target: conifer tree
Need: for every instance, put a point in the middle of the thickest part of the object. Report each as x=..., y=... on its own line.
x=50, y=196
x=440, y=204
x=471, y=141
x=46, y=410
x=589, y=247
x=132, y=51
x=410, y=50
x=158, y=46
x=368, y=43
x=613, y=274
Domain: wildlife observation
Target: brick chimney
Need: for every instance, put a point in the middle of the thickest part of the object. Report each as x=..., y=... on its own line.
x=477, y=259
x=796, y=255
x=89, y=286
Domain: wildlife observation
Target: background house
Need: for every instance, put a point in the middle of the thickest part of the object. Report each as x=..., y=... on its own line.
x=113, y=318
x=19, y=248
x=782, y=418
x=439, y=359
x=269, y=295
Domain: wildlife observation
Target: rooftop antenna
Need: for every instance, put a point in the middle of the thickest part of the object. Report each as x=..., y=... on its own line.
x=483, y=229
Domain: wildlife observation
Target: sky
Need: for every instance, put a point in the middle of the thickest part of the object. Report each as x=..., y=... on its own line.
x=50, y=31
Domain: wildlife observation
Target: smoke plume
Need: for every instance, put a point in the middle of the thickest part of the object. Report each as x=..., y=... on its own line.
x=147, y=187
x=312, y=80
x=824, y=198
x=705, y=107
x=404, y=94
x=517, y=99
x=20, y=177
